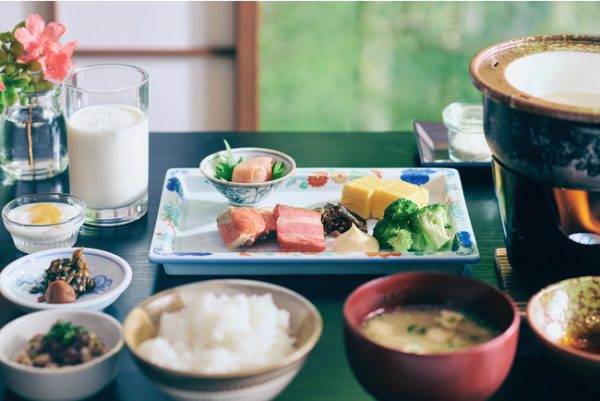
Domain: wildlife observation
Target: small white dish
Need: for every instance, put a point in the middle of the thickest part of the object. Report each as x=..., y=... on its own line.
x=65, y=383
x=111, y=273
x=29, y=238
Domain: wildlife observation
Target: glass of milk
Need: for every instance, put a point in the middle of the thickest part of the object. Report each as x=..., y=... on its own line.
x=107, y=136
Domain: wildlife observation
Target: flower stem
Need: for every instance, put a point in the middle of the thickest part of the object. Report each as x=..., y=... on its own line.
x=28, y=128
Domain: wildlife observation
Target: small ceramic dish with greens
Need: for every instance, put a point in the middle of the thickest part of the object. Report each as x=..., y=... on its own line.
x=247, y=176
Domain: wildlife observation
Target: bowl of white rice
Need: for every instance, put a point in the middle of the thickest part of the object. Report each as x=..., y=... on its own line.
x=223, y=339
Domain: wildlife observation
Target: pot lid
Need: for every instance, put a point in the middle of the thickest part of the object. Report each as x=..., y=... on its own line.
x=553, y=75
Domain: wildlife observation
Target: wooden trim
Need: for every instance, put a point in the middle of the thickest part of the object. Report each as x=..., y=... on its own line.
x=226, y=51
x=53, y=11
x=199, y=52
x=246, y=98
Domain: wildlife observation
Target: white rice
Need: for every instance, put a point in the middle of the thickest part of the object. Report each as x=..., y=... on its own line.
x=221, y=334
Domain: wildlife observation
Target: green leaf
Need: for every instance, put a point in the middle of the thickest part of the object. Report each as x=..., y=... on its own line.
x=10, y=69
x=19, y=25
x=6, y=37
x=20, y=83
x=10, y=96
x=278, y=170
x=17, y=48
x=34, y=66
x=43, y=86
x=224, y=166
x=230, y=156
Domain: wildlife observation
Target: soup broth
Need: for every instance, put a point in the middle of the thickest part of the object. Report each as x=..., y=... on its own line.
x=428, y=330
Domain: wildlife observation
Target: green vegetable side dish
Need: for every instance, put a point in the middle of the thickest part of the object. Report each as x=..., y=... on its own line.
x=224, y=165
x=406, y=227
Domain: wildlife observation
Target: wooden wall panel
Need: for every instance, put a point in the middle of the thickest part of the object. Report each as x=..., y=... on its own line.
x=246, y=105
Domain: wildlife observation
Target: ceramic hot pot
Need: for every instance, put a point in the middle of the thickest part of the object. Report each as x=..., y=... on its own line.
x=541, y=98
x=542, y=107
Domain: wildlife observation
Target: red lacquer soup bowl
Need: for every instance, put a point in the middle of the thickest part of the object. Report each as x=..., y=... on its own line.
x=473, y=374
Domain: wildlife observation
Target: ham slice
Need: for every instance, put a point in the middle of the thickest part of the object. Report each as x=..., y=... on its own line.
x=242, y=226
x=256, y=169
x=299, y=230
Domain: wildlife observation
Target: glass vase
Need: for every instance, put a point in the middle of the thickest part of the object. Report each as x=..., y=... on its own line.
x=33, y=138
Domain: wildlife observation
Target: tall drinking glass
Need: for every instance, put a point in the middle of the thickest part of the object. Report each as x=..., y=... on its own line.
x=107, y=136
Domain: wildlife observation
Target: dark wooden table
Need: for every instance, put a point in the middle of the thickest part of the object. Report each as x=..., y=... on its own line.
x=326, y=375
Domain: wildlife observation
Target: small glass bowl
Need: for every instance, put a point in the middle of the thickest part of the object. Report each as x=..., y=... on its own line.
x=466, y=139
x=29, y=238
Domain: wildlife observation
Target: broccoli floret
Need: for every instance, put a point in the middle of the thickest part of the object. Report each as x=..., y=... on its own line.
x=390, y=235
x=430, y=228
x=401, y=241
x=400, y=210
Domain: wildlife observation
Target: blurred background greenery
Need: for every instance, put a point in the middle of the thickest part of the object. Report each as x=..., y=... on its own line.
x=377, y=66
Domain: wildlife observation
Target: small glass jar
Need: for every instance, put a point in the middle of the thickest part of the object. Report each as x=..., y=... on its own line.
x=28, y=237
x=466, y=139
x=33, y=137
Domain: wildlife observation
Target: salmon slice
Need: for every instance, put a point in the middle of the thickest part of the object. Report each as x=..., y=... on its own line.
x=256, y=169
x=299, y=230
x=242, y=226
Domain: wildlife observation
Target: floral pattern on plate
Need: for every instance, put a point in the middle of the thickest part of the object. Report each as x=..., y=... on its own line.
x=186, y=234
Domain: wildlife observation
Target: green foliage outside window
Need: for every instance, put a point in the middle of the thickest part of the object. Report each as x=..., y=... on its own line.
x=377, y=66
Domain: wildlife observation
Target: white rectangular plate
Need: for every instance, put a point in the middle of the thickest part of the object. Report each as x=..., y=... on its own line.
x=186, y=240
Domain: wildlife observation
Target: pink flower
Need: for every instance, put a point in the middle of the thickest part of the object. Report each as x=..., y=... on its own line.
x=41, y=43
x=36, y=36
x=56, y=62
x=2, y=88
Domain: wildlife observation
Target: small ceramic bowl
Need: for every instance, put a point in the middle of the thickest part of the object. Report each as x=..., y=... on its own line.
x=30, y=238
x=111, y=273
x=65, y=383
x=568, y=308
x=257, y=384
x=473, y=374
x=247, y=194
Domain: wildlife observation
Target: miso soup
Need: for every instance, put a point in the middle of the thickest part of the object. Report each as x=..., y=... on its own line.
x=428, y=329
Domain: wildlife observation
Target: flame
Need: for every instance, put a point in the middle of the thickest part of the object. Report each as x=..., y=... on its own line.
x=575, y=212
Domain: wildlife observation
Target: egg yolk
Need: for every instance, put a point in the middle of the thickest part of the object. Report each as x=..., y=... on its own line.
x=43, y=213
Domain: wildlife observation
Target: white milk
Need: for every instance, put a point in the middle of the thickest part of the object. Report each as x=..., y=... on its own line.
x=108, y=155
